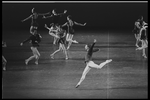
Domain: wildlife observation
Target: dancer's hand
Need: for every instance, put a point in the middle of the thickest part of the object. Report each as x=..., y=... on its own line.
x=21, y=44
x=44, y=17
x=36, y=41
x=65, y=11
x=84, y=24
x=95, y=40
x=45, y=25
x=4, y=44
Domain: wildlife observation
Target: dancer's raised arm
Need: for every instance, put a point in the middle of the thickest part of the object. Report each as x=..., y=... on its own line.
x=26, y=18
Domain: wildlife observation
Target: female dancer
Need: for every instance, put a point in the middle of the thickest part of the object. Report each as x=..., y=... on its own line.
x=61, y=36
x=52, y=31
x=137, y=27
x=4, y=61
x=55, y=16
x=71, y=32
x=35, y=39
x=143, y=38
x=89, y=63
x=136, y=31
x=34, y=17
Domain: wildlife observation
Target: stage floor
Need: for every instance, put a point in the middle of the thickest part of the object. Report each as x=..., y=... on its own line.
x=125, y=77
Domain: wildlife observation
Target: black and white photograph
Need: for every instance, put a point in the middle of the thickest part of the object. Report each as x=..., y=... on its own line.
x=74, y=49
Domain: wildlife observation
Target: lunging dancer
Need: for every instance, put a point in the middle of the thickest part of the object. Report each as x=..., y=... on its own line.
x=35, y=39
x=61, y=36
x=71, y=32
x=89, y=63
x=34, y=17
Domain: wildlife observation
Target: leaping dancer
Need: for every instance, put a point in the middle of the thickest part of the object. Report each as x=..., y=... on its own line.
x=89, y=63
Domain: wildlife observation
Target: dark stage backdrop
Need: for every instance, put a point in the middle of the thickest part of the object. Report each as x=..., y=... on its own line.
x=96, y=15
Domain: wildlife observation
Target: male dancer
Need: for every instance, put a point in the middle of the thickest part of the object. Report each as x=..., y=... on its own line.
x=89, y=63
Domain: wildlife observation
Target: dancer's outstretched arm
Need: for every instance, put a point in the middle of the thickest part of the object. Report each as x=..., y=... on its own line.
x=65, y=11
x=47, y=16
x=80, y=24
x=28, y=39
x=43, y=14
x=64, y=24
x=26, y=18
x=47, y=27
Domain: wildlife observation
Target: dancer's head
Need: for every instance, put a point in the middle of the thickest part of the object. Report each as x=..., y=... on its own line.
x=69, y=17
x=141, y=17
x=54, y=11
x=87, y=46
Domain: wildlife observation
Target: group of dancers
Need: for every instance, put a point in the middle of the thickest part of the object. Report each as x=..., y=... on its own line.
x=140, y=32
x=62, y=37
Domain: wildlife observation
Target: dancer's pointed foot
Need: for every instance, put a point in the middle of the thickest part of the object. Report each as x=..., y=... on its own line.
x=26, y=62
x=66, y=58
x=36, y=62
x=76, y=41
x=108, y=61
x=77, y=85
x=52, y=56
x=144, y=56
